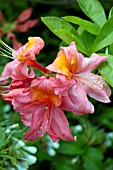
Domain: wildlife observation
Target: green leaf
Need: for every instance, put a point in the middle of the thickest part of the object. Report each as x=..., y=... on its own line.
x=91, y=160
x=2, y=137
x=68, y=37
x=110, y=48
x=87, y=38
x=64, y=31
x=109, y=164
x=92, y=154
x=111, y=12
x=106, y=117
x=88, y=26
x=55, y=23
x=106, y=69
x=94, y=10
x=73, y=148
x=89, y=164
x=105, y=37
x=63, y=163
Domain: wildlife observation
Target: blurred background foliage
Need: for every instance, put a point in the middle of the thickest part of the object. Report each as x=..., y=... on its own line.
x=94, y=146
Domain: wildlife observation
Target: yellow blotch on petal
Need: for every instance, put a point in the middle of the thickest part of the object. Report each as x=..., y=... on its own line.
x=34, y=45
x=31, y=41
x=44, y=95
x=72, y=59
x=61, y=64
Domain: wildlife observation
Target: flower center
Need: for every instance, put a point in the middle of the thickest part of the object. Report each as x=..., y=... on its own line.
x=44, y=95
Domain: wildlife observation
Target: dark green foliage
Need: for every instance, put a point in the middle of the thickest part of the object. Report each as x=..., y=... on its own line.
x=92, y=33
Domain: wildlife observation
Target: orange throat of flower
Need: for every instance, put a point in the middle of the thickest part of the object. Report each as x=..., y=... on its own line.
x=44, y=96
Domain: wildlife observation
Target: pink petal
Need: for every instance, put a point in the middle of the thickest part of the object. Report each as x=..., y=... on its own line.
x=24, y=15
x=30, y=49
x=22, y=99
x=62, y=85
x=68, y=60
x=24, y=27
x=73, y=56
x=26, y=119
x=9, y=96
x=67, y=103
x=39, y=125
x=43, y=89
x=21, y=72
x=59, y=128
x=96, y=87
x=23, y=102
x=88, y=64
x=77, y=95
x=33, y=114
x=33, y=47
x=7, y=72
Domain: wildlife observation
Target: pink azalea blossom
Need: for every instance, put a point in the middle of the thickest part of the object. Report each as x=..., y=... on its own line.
x=21, y=24
x=40, y=110
x=25, y=55
x=77, y=68
x=22, y=77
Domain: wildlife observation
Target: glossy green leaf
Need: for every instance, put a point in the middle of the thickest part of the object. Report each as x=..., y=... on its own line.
x=68, y=37
x=87, y=25
x=110, y=48
x=106, y=69
x=64, y=31
x=111, y=12
x=87, y=38
x=55, y=23
x=94, y=10
x=105, y=36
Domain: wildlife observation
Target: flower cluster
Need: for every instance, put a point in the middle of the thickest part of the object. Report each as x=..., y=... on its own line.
x=64, y=85
x=21, y=24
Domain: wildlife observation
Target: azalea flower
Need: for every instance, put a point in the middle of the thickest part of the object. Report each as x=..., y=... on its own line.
x=21, y=76
x=25, y=55
x=40, y=110
x=21, y=24
x=77, y=68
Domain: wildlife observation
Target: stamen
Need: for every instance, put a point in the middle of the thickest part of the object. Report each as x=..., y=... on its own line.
x=6, y=46
x=1, y=53
x=5, y=53
x=96, y=81
x=8, y=50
